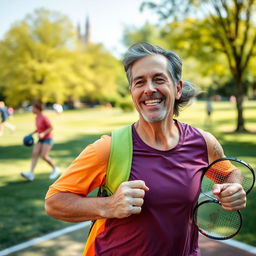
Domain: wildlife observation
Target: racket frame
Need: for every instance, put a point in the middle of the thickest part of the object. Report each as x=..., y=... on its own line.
x=214, y=200
x=205, y=233
x=230, y=159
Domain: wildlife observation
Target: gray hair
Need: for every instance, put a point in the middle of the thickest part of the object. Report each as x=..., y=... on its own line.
x=140, y=50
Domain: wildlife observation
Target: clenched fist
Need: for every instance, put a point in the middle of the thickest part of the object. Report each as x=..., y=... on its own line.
x=231, y=196
x=127, y=200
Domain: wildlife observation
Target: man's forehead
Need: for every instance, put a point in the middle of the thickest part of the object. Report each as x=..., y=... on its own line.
x=150, y=64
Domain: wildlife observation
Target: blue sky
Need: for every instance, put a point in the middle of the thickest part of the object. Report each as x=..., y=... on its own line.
x=107, y=17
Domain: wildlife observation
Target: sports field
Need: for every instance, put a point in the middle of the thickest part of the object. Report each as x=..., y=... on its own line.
x=22, y=215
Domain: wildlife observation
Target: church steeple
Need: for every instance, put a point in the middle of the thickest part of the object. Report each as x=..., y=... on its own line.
x=85, y=38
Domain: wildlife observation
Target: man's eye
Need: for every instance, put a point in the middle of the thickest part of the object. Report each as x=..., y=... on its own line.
x=138, y=83
x=159, y=80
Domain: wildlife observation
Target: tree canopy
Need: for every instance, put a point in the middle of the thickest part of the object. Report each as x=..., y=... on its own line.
x=233, y=27
x=41, y=59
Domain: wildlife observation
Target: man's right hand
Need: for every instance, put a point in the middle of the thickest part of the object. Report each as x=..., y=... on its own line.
x=127, y=200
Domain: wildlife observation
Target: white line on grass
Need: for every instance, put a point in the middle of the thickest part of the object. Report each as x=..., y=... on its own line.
x=49, y=236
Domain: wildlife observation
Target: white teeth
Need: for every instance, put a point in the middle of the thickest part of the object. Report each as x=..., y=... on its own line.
x=152, y=102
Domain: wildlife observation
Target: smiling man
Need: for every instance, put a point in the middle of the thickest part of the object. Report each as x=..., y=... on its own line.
x=152, y=88
x=151, y=213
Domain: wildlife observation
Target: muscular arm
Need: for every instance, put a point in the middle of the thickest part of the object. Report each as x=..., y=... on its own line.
x=231, y=195
x=75, y=208
x=214, y=149
x=127, y=200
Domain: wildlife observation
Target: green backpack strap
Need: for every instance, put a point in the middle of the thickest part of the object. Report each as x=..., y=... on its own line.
x=120, y=159
x=119, y=163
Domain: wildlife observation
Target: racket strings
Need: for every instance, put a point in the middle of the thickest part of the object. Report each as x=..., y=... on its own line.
x=212, y=220
x=215, y=222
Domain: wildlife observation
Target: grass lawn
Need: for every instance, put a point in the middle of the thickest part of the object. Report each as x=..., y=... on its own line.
x=22, y=215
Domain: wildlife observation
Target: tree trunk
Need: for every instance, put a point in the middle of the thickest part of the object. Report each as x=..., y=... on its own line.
x=240, y=118
x=239, y=105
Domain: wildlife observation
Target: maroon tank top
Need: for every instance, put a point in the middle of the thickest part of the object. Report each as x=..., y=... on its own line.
x=165, y=226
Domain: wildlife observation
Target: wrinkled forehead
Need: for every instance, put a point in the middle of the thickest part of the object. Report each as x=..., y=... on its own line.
x=150, y=65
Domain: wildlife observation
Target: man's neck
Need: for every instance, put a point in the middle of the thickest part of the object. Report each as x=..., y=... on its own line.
x=158, y=135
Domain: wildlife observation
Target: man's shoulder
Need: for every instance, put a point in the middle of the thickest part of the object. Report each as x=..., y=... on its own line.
x=188, y=128
x=102, y=147
x=102, y=142
x=207, y=135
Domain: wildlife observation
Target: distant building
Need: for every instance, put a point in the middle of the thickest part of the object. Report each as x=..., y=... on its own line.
x=84, y=38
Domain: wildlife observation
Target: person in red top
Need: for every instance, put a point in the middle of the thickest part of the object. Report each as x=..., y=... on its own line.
x=45, y=142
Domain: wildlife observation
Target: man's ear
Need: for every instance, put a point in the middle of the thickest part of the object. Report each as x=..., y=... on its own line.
x=178, y=90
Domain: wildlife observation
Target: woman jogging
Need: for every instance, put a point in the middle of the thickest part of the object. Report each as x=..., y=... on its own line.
x=45, y=142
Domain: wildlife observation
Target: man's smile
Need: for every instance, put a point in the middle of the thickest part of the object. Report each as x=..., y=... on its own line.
x=152, y=102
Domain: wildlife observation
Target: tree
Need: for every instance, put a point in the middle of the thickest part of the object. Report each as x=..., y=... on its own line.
x=232, y=24
x=193, y=41
x=33, y=58
x=40, y=59
x=107, y=73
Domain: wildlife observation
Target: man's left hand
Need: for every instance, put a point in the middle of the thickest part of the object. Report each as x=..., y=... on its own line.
x=231, y=196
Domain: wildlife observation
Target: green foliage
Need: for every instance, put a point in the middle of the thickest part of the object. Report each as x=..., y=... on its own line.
x=172, y=10
x=196, y=44
x=232, y=28
x=195, y=41
x=190, y=39
x=146, y=33
x=40, y=59
x=106, y=73
x=33, y=60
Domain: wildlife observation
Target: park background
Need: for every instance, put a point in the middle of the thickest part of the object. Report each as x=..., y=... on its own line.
x=47, y=56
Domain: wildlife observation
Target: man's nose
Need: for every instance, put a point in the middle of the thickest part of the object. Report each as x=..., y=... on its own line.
x=150, y=87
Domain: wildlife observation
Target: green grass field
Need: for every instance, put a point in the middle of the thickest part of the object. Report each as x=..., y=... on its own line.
x=22, y=215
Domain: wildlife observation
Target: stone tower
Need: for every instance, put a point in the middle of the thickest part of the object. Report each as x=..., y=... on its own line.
x=84, y=38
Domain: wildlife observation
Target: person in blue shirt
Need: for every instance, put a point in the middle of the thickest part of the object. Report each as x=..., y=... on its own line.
x=4, y=119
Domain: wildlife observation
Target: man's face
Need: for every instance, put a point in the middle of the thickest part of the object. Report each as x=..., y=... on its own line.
x=152, y=89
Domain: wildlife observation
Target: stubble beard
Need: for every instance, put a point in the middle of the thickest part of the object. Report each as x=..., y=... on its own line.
x=155, y=119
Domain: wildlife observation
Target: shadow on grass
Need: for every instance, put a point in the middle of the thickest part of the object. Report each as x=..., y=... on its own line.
x=69, y=148
x=22, y=215
x=241, y=149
